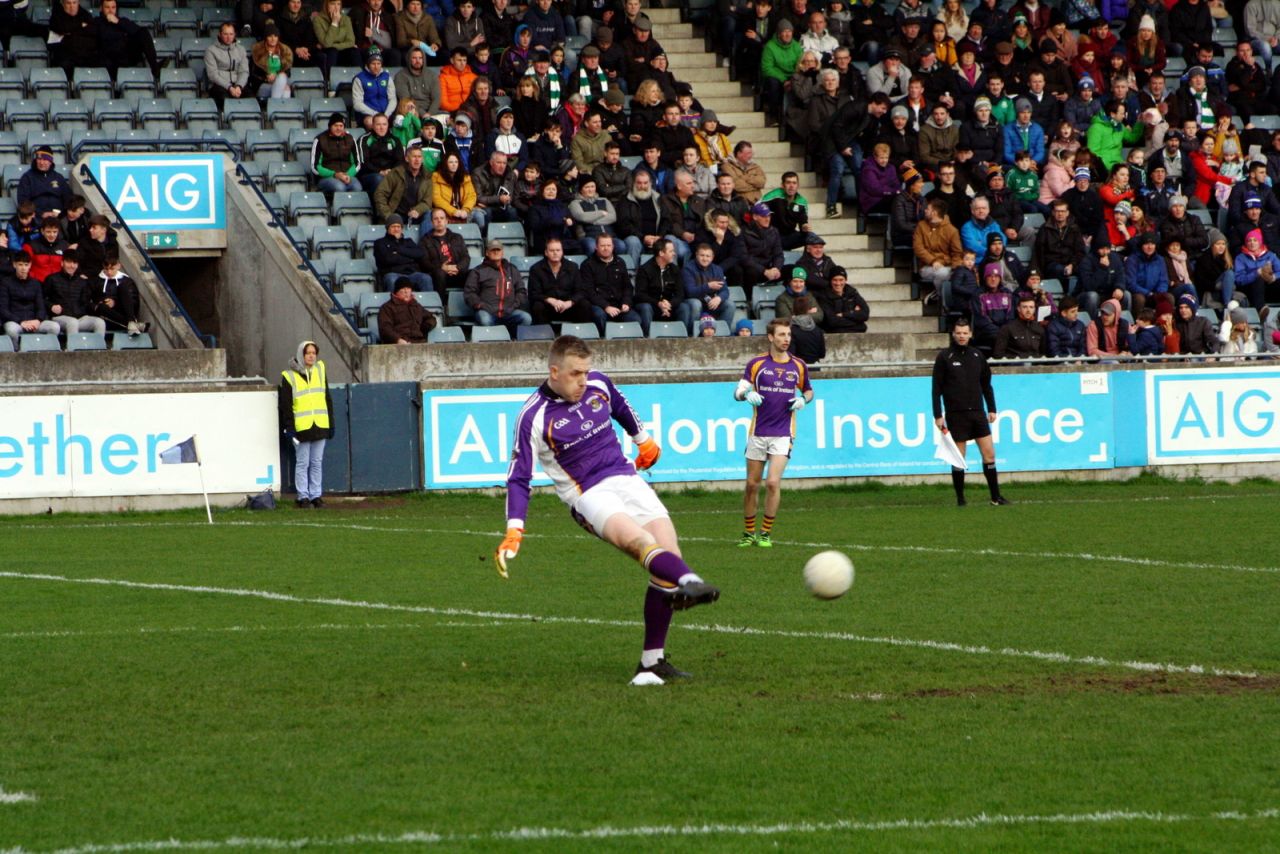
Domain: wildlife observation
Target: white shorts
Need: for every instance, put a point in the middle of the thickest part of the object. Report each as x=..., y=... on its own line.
x=623, y=493
x=760, y=448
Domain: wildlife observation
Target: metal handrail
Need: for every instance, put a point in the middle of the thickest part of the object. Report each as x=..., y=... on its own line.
x=179, y=309
x=244, y=179
x=152, y=144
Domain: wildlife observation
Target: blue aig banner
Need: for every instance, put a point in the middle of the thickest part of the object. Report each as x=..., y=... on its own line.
x=856, y=427
x=179, y=192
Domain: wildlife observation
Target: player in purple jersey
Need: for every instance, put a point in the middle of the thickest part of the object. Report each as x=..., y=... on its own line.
x=567, y=427
x=777, y=385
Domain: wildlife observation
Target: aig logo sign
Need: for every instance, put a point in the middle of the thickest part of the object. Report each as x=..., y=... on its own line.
x=178, y=192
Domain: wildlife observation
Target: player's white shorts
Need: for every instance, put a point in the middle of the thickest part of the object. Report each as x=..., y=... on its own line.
x=624, y=493
x=760, y=448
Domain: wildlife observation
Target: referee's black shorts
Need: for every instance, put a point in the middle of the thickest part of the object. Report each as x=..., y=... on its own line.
x=969, y=424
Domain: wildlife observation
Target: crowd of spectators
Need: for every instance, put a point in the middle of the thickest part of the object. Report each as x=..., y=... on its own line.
x=985, y=131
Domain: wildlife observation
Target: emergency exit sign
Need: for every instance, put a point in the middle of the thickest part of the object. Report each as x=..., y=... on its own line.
x=162, y=240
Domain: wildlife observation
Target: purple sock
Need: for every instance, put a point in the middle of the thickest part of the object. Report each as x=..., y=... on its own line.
x=657, y=618
x=669, y=567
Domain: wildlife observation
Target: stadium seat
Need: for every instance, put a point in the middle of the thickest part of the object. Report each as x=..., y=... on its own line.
x=285, y=114
x=25, y=114
x=135, y=81
x=242, y=114
x=8, y=208
x=67, y=115
x=178, y=22
x=193, y=47
x=524, y=263
x=27, y=53
x=262, y=144
x=30, y=342
x=430, y=300
x=213, y=17
x=459, y=313
x=6, y=344
x=585, y=331
x=1033, y=220
x=759, y=327
x=1022, y=253
x=198, y=114
x=348, y=272
x=366, y=236
x=630, y=329
x=330, y=242
x=340, y=79
x=113, y=114
x=141, y=341
x=157, y=114
x=765, y=313
x=1267, y=122
x=276, y=206
x=370, y=303
x=352, y=209
x=1052, y=286
x=11, y=149
x=12, y=84
x=177, y=140
x=286, y=176
x=12, y=175
x=765, y=295
x=308, y=210
x=536, y=332
x=168, y=47
x=347, y=302
x=86, y=341
x=577, y=259
x=233, y=140
x=319, y=110
x=300, y=140
x=446, y=335
x=739, y=297
x=1203, y=215
x=631, y=162
x=178, y=83
x=307, y=83
x=791, y=257
x=1209, y=314
x=490, y=334
x=510, y=233
x=52, y=139
x=657, y=329
x=255, y=172
x=48, y=83
x=470, y=233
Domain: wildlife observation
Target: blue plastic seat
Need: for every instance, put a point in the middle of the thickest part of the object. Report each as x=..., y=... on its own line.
x=446, y=335
x=490, y=334
x=30, y=342
x=627, y=329
x=657, y=329
x=585, y=331
x=536, y=332
x=86, y=341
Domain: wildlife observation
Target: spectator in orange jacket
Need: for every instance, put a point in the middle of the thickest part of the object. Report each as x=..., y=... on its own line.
x=455, y=80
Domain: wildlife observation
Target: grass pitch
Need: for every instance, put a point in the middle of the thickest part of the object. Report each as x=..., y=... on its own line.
x=1096, y=667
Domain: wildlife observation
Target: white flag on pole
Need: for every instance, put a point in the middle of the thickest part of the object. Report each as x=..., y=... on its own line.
x=947, y=451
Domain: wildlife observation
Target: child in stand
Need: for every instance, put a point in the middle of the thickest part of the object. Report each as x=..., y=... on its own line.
x=432, y=136
x=713, y=142
x=482, y=62
x=1025, y=184
x=690, y=109
x=406, y=126
x=963, y=286
x=1148, y=339
x=1237, y=335
x=1137, y=160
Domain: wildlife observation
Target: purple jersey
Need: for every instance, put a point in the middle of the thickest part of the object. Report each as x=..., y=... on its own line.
x=778, y=383
x=573, y=442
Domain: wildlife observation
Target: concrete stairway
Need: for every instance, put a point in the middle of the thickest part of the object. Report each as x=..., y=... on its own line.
x=887, y=290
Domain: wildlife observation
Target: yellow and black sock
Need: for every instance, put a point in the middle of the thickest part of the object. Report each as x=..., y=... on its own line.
x=766, y=527
x=749, y=524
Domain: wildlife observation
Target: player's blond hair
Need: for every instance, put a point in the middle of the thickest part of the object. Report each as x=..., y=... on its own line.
x=568, y=345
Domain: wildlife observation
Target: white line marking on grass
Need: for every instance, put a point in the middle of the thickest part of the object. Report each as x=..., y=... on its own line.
x=16, y=797
x=537, y=834
x=862, y=547
x=940, y=646
x=178, y=630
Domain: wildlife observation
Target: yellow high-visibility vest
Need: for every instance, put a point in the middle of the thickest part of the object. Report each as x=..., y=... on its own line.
x=309, y=408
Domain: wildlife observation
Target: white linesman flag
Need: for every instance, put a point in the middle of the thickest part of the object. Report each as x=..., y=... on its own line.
x=183, y=452
x=947, y=451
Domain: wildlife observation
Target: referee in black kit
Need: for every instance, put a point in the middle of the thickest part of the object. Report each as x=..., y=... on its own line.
x=962, y=380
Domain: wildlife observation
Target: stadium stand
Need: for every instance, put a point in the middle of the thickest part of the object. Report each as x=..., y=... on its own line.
x=767, y=95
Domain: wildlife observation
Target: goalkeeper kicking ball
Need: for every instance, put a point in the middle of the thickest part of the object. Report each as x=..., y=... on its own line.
x=829, y=574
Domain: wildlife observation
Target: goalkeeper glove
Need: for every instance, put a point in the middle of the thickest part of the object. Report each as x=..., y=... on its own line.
x=649, y=453
x=508, y=550
x=798, y=403
x=753, y=397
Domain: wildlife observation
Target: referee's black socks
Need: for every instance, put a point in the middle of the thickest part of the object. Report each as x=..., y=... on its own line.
x=993, y=479
x=957, y=481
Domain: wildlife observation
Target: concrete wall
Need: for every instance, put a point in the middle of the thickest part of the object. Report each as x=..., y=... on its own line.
x=451, y=365
x=55, y=371
x=267, y=305
x=169, y=329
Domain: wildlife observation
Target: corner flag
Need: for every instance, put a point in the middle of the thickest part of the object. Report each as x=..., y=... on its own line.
x=183, y=452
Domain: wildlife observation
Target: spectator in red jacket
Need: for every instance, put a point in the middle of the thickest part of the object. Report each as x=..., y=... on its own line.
x=46, y=250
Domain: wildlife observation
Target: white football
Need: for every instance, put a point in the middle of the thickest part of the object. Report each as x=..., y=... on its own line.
x=829, y=574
